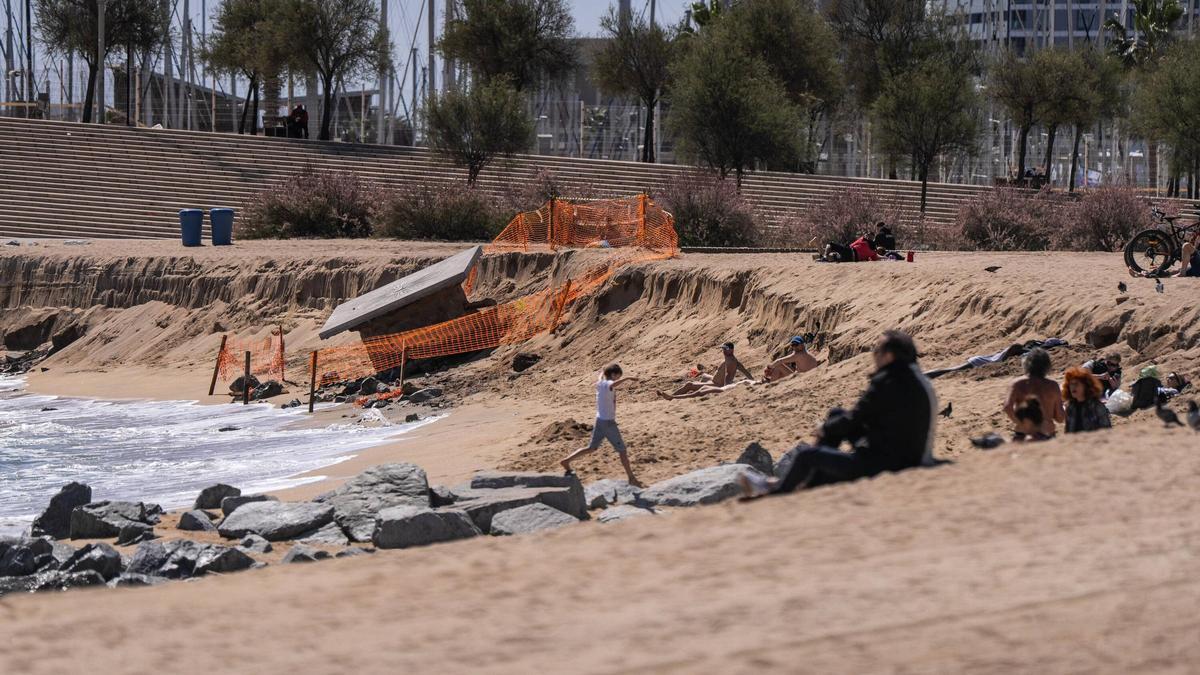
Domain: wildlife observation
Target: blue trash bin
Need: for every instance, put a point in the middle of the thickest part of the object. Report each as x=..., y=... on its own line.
x=191, y=222
x=221, y=221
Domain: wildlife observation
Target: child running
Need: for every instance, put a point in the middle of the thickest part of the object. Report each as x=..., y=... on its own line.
x=606, y=422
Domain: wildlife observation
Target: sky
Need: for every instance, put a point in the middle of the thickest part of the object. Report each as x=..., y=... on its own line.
x=588, y=12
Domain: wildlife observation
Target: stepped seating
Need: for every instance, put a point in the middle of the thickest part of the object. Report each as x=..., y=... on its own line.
x=63, y=179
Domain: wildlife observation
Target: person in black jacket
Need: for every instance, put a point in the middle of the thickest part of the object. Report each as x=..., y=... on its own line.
x=884, y=238
x=891, y=428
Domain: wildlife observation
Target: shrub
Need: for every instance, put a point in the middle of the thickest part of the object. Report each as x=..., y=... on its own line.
x=319, y=204
x=1005, y=219
x=842, y=218
x=531, y=195
x=709, y=211
x=446, y=211
x=1104, y=220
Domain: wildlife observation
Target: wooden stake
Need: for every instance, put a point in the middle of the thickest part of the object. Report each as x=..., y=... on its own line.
x=403, y=362
x=246, y=382
x=312, y=383
x=212, y=386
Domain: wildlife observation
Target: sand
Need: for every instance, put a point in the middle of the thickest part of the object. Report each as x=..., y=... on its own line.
x=1073, y=555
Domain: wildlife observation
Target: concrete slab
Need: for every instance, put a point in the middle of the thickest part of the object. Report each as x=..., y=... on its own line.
x=401, y=292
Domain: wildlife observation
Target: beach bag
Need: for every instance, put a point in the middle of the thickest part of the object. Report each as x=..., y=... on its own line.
x=1119, y=402
x=1145, y=393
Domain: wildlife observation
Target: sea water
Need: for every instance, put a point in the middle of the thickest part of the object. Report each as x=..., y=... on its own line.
x=163, y=452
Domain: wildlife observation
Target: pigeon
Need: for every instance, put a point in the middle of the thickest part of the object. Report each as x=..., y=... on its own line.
x=1122, y=287
x=1158, y=285
x=946, y=412
x=988, y=441
x=1193, y=415
x=991, y=269
x=1167, y=415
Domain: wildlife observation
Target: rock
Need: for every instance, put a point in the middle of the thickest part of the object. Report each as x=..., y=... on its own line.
x=135, y=533
x=294, y=403
x=255, y=544
x=423, y=395
x=17, y=584
x=357, y=501
x=623, y=512
x=230, y=504
x=524, y=361
x=180, y=559
x=440, y=495
x=21, y=556
x=238, y=386
x=221, y=560
x=531, y=518
x=331, y=534
x=407, y=526
x=266, y=390
x=148, y=559
x=196, y=521
x=60, y=552
x=275, y=521
x=483, y=505
x=368, y=386
x=608, y=491
x=224, y=429
x=55, y=521
x=350, y=389
x=301, y=553
x=354, y=551
x=784, y=465
x=100, y=558
x=56, y=580
x=105, y=519
x=412, y=417
x=757, y=457
x=211, y=496
x=492, y=480
x=135, y=580
x=706, y=486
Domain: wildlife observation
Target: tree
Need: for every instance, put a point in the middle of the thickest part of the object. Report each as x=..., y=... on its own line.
x=705, y=13
x=1066, y=81
x=1019, y=87
x=335, y=39
x=71, y=26
x=729, y=112
x=635, y=61
x=1166, y=106
x=474, y=125
x=1101, y=86
x=878, y=39
x=928, y=111
x=245, y=41
x=521, y=41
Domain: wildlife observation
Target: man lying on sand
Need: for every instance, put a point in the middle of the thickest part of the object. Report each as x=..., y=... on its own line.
x=720, y=380
x=798, y=361
x=891, y=428
x=606, y=422
x=1036, y=385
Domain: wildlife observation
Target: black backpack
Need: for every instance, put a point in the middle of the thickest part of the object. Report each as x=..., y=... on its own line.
x=1145, y=393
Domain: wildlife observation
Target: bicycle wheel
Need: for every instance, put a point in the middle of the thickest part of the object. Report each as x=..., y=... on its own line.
x=1151, y=251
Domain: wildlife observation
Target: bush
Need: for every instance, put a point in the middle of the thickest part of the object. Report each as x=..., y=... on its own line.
x=318, y=204
x=445, y=211
x=1104, y=220
x=841, y=218
x=709, y=211
x=531, y=195
x=1006, y=219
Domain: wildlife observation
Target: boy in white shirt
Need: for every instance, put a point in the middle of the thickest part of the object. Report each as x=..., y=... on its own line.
x=606, y=422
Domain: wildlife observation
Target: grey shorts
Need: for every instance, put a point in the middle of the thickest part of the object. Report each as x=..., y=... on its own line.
x=607, y=430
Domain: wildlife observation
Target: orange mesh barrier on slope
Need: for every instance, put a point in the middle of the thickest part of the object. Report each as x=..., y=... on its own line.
x=266, y=357
x=638, y=226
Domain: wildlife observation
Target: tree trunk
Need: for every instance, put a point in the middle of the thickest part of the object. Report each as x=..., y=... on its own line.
x=473, y=171
x=90, y=96
x=326, y=109
x=1152, y=163
x=648, y=137
x=1024, y=139
x=1050, y=151
x=1075, y=158
x=254, y=114
x=924, y=185
x=246, y=106
x=739, y=180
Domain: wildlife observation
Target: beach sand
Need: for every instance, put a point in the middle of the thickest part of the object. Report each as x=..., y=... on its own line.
x=1073, y=555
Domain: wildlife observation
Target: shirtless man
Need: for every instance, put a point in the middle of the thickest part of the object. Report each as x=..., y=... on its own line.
x=722, y=377
x=1036, y=385
x=798, y=361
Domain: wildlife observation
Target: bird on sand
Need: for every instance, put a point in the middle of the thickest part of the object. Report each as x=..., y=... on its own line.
x=946, y=412
x=991, y=269
x=1158, y=285
x=1165, y=414
x=1193, y=416
x=1122, y=287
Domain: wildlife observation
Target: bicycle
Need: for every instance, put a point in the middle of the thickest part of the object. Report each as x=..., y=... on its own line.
x=1152, y=252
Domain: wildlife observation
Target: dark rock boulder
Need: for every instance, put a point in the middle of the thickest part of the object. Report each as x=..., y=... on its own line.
x=493, y=480
x=407, y=526
x=368, y=386
x=16, y=584
x=530, y=518
x=524, y=361
x=196, y=521
x=354, y=551
x=55, y=521
x=148, y=559
x=238, y=386
x=230, y=504
x=608, y=491
x=211, y=496
x=623, y=512
x=330, y=535
x=294, y=403
x=483, y=505
x=218, y=559
x=255, y=544
x=21, y=556
x=135, y=533
x=98, y=520
x=100, y=558
x=180, y=559
x=440, y=495
x=275, y=521
x=136, y=581
x=301, y=553
x=757, y=457
x=359, y=499
x=705, y=486
x=425, y=395
x=267, y=389
x=57, y=580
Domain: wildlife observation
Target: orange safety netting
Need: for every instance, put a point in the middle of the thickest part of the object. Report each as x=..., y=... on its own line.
x=266, y=357
x=638, y=226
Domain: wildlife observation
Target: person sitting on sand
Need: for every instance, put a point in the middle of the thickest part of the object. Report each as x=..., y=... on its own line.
x=891, y=428
x=1107, y=370
x=1085, y=412
x=721, y=377
x=799, y=361
x=884, y=239
x=1190, y=257
x=1036, y=385
x=1028, y=422
x=606, y=422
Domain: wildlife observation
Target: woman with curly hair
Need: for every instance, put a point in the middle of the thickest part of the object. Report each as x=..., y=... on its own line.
x=1085, y=412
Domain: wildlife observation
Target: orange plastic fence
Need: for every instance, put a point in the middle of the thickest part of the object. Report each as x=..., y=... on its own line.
x=638, y=226
x=266, y=357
